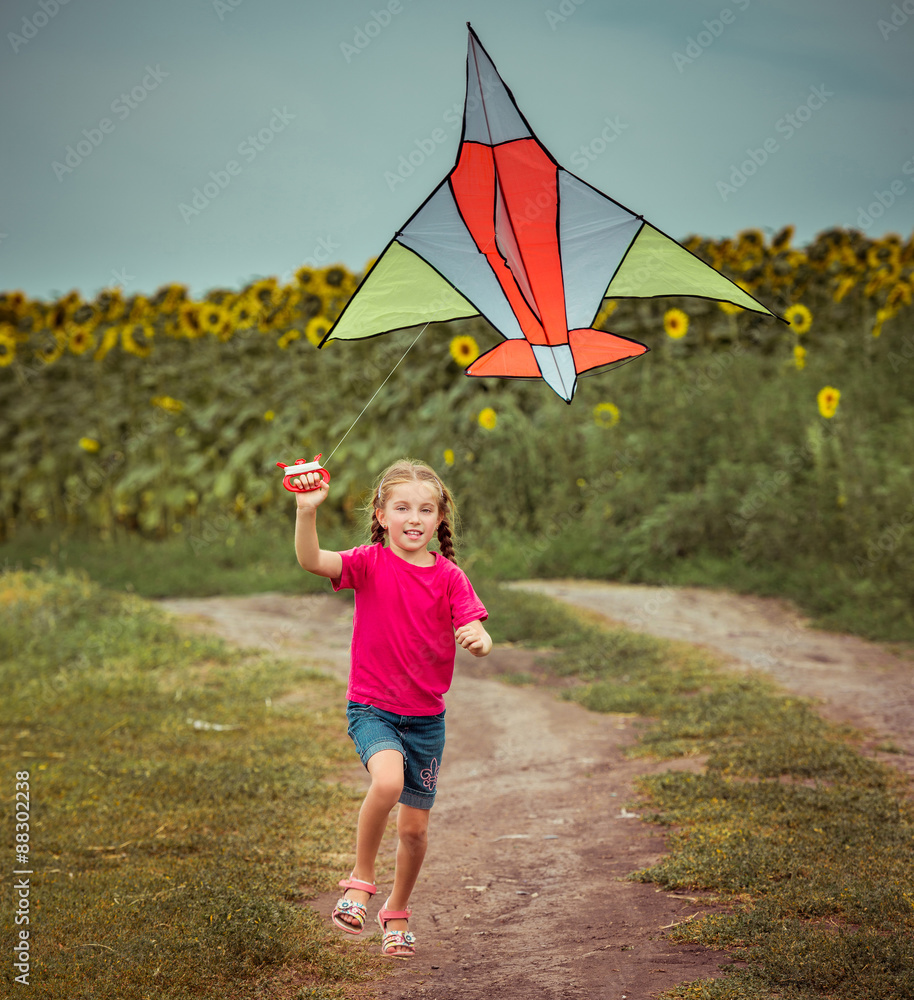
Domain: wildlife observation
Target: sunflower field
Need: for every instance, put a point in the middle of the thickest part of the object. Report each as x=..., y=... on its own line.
x=755, y=449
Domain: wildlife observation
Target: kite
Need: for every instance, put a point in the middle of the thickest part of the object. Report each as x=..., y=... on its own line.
x=512, y=236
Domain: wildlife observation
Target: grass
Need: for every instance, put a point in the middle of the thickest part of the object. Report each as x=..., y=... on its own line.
x=183, y=853
x=171, y=857
x=808, y=842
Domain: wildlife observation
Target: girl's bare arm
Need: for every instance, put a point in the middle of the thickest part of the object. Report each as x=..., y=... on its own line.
x=320, y=562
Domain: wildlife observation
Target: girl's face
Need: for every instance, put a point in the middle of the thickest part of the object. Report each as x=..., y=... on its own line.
x=411, y=519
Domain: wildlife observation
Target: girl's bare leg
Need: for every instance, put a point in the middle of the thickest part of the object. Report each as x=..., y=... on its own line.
x=386, y=770
x=412, y=829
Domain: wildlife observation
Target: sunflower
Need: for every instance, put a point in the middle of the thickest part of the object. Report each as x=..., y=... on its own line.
x=136, y=338
x=729, y=308
x=488, y=418
x=108, y=341
x=265, y=292
x=110, y=303
x=899, y=296
x=307, y=277
x=89, y=444
x=81, y=338
x=881, y=316
x=799, y=318
x=464, y=350
x=317, y=329
x=244, y=312
x=7, y=349
x=288, y=337
x=190, y=324
x=608, y=308
x=844, y=286
x=781, y=240
x=676, y=323
x=606, y=414
x=140, y=310
x=167, y=404
x=269, y=415
x=799, y=356
x=448, y=456
x=217, y=320
x=52, y=347
x=828, y=401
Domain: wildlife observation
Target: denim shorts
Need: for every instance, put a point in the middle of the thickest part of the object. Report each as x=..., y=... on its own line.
x=420, y=738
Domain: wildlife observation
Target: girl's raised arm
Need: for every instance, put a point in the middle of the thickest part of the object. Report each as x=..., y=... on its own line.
x=320, y=562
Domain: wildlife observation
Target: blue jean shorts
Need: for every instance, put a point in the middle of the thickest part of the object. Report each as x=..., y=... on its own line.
x=420, y=738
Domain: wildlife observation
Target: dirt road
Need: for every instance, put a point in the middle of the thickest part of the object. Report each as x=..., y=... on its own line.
x=524, y=891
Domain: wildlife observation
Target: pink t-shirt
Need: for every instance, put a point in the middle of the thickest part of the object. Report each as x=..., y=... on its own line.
x=403, y=643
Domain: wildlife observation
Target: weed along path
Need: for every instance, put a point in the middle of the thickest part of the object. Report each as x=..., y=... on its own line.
x=524, y=891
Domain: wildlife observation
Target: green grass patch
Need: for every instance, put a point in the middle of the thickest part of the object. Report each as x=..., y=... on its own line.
x=182, y=810
x=809, y=841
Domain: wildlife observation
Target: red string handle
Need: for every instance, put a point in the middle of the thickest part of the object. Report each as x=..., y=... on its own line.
x=299, y=468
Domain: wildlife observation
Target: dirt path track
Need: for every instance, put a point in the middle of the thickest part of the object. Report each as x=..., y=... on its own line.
x=523, y=894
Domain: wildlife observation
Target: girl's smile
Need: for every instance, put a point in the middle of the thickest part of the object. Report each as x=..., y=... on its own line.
x=411, y=519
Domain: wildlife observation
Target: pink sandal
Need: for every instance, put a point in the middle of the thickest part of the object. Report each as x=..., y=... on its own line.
x=396, y=944
x=350, y=908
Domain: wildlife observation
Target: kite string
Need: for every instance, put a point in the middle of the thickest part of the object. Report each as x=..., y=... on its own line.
x=379, y=388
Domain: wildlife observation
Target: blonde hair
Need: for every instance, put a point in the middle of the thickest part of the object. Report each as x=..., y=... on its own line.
x=408, y=471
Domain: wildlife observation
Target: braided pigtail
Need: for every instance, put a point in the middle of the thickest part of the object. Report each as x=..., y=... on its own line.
x=377, y=532
x=446, y=540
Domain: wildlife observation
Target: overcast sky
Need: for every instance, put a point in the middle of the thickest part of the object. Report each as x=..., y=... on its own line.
x=211, y=142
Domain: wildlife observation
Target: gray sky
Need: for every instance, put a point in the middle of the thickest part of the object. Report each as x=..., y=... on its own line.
x=211, y=142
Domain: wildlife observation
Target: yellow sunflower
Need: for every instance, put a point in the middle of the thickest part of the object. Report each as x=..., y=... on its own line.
x=167, y=404
x=81, y=338
x=799, y=356
x=799, y=318
x=676, y=323
x=109, y=339
x=288, y=337
x=900, y=295
x=190, y=324
x=844, y=286
x=89, y=444
x=136, y=338
x=244, y=312
x=52, y=347
x=828, y=401
x=881, y=316
x=606, y=414
x=7, y=349
x=464, y=350
x=729, y=308
x=448, y=456
x=217, y=320
x=608, y=308
x=488, y=418
x=317, y=329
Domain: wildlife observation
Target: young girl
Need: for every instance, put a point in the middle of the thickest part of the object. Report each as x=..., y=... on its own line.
x=410, y=606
